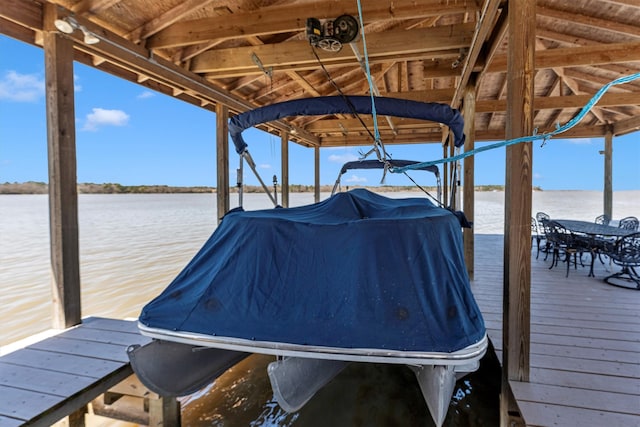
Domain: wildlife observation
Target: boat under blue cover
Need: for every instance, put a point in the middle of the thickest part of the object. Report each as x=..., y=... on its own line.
x=355, y=271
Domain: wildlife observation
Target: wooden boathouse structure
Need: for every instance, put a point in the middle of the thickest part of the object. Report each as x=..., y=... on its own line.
x=512, y=67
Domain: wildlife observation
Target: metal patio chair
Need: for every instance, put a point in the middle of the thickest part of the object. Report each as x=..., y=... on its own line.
x=536, y=235
x=629, y=223
x=566, y=246
x=626, y=253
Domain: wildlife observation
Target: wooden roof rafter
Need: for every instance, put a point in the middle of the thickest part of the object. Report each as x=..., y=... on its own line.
x=413, y=45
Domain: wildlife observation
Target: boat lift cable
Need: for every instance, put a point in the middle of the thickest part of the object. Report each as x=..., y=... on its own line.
x=345, y=97
x=378, y=146
x=536, y=136
x=425, y=191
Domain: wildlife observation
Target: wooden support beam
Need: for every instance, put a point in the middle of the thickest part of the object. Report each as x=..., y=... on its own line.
x=445, y=174
x=316, y=178
x=590, y=22
x=406, y=44
x=518, y=187
x=600, y=54
x=558, y=102
x=287, y=18
x=485, y=25
x=468, y=111
x=63, y=196
x=164, y=411
x=222, y=159
x=284, y=144
x=129, y=57
x=455, y=175
x=626, y=126
x=594, y=131
x=608, y=173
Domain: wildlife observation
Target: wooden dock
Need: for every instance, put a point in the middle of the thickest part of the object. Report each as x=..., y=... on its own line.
x=58, y=376
x=585, y=341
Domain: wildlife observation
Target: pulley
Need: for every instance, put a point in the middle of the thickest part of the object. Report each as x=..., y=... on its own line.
x=330, y=35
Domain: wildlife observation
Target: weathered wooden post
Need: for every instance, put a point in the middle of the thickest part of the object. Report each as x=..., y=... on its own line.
x=469, y=112
x=518, y=186
x=63, y=193
x=608, y=171
x=222, y=159
x=316, y=158
x=284, y=144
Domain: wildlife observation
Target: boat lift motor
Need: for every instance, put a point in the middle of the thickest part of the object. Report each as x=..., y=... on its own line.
x=331, y=35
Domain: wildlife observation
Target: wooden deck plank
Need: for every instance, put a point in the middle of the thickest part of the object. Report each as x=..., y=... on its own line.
x=111, y=324
x=554, y=311
x=578, y=342
x=52, y=378
x=588, y=381
x=104, y=336
x=576, y=397
x=585, y=342
x=615, y=369
x=93, y=349
x=22, y=404
x=57, y=362
x=549, y=415
x=46, y=381
x=9, y=422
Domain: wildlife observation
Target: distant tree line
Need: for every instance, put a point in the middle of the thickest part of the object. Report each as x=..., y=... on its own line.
x=32, y=187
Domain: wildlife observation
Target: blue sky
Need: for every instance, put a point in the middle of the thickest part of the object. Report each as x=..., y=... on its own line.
x=128, y=134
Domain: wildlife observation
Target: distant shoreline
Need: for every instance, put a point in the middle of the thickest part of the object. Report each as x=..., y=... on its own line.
x=32, y=187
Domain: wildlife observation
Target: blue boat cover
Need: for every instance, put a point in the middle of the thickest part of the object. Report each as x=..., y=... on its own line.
x=357, y=270
x=377, y=164
x=322, y=105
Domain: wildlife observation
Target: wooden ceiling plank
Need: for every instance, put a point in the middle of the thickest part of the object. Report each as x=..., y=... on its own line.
x=27, y=14
x=165, y=20
x=292, y=18
x=84, y=7
x=11, y=29
x=338, y=126
x=438, y=67
x=571, y=101
x=303, y=83
x=500, y=95
x=575, y=89
x=296, y=53
x=576, y=56
x=488, y=17
x=576, y=132
x=626, y=126
x=590, y=21
x=131, y=57
x=633, y=3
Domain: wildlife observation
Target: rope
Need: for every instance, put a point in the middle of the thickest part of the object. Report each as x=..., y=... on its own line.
x=544, y=137
x=377, y=143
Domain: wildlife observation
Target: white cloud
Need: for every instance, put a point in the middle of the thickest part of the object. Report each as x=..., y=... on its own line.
x=101, y=117
x=264, y=166
x=21, y=87
x=342, y=158
x=76, y=83
x=146, y=94
x=580, y=141
x=356, y=179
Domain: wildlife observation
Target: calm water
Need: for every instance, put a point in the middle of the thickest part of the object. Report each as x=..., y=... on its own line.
x=131, y=247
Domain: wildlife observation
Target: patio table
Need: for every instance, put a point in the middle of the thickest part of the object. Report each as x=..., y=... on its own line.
x=593, y=229
x=598, y=233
